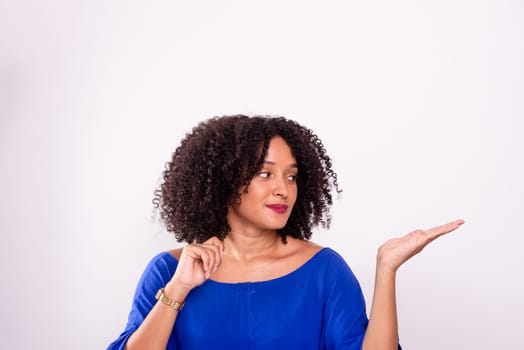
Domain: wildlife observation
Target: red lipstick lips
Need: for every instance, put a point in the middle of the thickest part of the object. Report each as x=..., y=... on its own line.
x=278, y=208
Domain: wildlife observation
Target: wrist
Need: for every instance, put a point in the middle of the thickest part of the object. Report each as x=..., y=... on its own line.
x=384, y=266
x=177, y=291
x=163, y=298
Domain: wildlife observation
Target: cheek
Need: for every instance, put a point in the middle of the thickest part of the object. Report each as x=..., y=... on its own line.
x=255, y=195
x=294, y=194
x=258, y=191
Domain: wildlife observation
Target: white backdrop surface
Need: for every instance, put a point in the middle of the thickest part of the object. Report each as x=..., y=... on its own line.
x=420, y=105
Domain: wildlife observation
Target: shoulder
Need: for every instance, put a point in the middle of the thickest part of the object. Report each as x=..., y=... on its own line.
x=297, y=252
x=322, y=261
x=175, y=253
x=309, y=250
x=300, y=247
x=330, y=260
x=337, y=271
x=156, y=274
x=163, y=263
x=330, y=268
x=334, y=257
x=327, y=273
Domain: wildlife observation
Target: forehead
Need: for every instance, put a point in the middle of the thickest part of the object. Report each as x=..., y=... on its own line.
x=279, y=150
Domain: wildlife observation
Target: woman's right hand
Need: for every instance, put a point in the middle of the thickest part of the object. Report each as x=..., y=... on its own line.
x=196, y=264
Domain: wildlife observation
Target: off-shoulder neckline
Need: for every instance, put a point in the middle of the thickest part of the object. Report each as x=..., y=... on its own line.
x=269, y=281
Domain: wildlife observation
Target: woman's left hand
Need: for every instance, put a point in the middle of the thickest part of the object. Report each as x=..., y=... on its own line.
x=397, y=251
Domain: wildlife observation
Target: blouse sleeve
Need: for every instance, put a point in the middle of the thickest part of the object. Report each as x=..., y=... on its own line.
x=345, y=318
x=155, y=276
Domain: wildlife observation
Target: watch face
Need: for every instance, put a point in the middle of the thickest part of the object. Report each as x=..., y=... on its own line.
x=159, y=294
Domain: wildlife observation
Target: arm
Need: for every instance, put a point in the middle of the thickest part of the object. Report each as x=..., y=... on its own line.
x=382, y=330
x=154, y=332
x=197, y=262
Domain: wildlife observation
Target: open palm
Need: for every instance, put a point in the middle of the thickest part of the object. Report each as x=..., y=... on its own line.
x=396, y=251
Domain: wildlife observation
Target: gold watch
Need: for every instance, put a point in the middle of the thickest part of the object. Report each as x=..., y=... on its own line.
x=176, y=305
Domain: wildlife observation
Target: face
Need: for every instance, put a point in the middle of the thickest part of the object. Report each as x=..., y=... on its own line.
x=271, y=193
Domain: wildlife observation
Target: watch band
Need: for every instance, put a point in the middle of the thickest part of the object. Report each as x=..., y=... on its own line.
x=176, y=305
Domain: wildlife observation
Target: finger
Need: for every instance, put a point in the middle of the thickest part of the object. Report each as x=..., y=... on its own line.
x=217, y=256
x=443, y=229
x=216, y=242
x=198, y=252
x=208, y=257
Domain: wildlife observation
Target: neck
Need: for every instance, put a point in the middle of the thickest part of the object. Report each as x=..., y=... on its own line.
x=244, y=247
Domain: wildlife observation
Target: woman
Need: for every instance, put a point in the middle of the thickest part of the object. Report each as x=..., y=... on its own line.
x=245, y=193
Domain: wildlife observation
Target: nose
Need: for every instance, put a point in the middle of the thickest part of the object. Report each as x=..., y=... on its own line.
x=280, y=188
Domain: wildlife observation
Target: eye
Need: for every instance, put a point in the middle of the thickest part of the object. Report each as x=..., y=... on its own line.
x=264, y=174
x=292, y=178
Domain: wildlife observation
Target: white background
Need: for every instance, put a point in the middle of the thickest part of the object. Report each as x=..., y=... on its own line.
x=419, y=103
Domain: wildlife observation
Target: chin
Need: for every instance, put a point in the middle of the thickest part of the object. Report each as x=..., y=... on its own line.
x=276, y=224
x=281, y=226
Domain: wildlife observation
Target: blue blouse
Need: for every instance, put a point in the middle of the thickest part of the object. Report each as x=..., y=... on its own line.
x=318, y=306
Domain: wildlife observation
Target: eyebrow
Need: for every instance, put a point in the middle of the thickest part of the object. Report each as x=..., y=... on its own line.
x=270, y=162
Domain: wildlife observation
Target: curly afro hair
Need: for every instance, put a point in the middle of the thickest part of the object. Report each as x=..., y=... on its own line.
x=220, y=156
